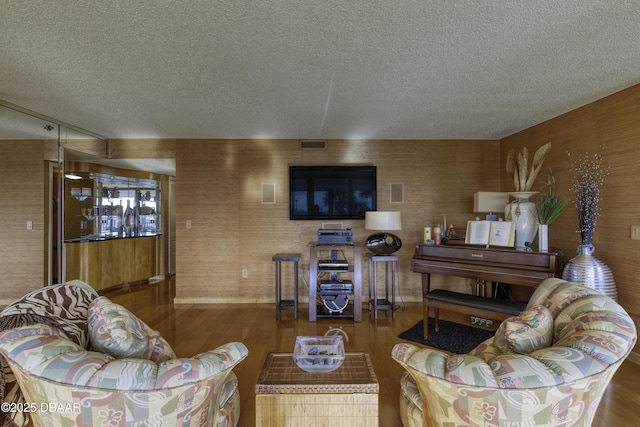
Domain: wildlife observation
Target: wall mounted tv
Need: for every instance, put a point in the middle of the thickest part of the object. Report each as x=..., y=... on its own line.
x=331, y=192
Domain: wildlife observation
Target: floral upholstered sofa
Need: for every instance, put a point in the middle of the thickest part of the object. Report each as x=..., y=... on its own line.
x=549, y=366
x=80, y=359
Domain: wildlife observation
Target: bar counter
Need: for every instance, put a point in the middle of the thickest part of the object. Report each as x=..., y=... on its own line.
x=108, y=260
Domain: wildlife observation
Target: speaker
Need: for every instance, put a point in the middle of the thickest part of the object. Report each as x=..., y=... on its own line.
x=396, y=193
x=268, y=193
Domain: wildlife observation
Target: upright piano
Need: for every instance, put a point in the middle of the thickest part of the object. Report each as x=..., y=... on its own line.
x=488, y=265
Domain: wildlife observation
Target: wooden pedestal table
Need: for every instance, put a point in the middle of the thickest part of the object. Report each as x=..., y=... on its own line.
x=385, y=303
x=288, y=396
x=281, y=303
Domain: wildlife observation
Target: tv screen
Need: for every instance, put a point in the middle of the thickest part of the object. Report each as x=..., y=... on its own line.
x=331, y=192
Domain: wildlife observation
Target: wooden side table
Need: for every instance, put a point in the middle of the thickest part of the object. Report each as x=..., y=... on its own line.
x=286, y=304
x=288, y=396
x=385, y=303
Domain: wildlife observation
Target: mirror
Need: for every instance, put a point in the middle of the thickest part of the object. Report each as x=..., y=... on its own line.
x=30, y=256
x=35, y=149
x=114, y=215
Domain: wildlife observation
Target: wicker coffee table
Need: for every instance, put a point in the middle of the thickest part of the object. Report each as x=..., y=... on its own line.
x=288, y=396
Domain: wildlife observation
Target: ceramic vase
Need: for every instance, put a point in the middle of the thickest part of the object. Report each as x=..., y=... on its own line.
x=128, y=220
x=523, y=213
x=543, y=237
x=590, y=271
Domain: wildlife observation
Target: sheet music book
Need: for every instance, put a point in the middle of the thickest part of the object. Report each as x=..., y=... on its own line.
x=491, y=233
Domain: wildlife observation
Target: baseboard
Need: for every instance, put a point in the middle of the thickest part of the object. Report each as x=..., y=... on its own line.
x=178, y=300
x=267, y=300
x=185, y=301
x=6, y=302
x=634, y=357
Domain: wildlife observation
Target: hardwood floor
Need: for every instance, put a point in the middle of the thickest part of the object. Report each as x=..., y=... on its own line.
x=191, y=329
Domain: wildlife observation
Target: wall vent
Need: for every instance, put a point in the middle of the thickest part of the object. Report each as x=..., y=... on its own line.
x=313, y=144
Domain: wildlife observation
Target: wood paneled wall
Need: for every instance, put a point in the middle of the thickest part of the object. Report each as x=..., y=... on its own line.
x=142, y=148
x=22, y=199
x=610, y=127
x=218, y=189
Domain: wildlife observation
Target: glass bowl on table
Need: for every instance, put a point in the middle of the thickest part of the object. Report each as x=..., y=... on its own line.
x=319, y=354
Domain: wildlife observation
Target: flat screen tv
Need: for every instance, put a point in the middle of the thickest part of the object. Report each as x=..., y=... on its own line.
x=331, y=192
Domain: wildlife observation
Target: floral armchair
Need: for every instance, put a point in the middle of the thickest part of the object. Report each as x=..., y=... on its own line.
x=547, y=367
x=83, y=360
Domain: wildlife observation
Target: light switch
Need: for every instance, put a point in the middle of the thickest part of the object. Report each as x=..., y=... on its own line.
x=29, y=225
x=188, y=223
x=635, y=232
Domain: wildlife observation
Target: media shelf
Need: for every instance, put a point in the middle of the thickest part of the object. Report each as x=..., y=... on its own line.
x=335, y=282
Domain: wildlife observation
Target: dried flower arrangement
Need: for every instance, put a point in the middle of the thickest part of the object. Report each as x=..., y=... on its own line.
x=550, y=205
x=518, y=169
x=587, y=179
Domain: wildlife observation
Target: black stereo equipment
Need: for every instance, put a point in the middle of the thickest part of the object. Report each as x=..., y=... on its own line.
x=336, y=287
x=333, y=264
x=335, y=237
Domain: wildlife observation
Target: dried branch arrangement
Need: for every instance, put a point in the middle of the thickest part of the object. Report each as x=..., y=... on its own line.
x=587, y=178
x=518, y=168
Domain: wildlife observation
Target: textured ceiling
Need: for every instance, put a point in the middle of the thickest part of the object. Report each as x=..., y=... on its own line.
x=397, y=69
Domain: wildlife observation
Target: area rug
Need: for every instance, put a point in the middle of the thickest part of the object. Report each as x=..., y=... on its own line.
x=451, y=337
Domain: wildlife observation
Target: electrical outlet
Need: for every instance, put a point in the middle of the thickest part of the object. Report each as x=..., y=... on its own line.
x=245, y=273
x=188, y=223
x=635, y=232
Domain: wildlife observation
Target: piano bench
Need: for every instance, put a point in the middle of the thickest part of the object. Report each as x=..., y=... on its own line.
x=472, y=305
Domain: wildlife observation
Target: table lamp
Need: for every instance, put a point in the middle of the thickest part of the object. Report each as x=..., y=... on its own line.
x=383, y=243
x=489, y=202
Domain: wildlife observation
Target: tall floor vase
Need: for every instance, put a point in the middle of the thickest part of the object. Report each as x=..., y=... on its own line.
x=523, y=213
x=590, y=271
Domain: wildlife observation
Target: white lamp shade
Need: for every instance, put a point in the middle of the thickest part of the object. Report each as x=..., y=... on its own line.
x=488, y=201
x=383, y=220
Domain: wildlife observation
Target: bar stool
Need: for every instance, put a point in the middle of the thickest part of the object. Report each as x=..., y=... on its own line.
x=376, y=303
x=286, y=304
